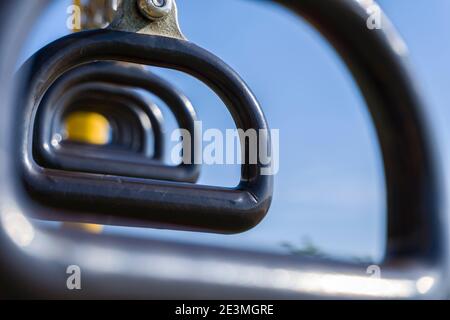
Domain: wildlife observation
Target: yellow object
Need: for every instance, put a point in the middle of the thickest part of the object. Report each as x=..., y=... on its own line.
x=88, y=127
x=86, y=227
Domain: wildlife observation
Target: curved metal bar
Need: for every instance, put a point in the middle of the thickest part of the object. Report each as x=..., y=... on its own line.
x=133, y=77
x=131, y=126
x=146, y=202
x=398, y=112
x=208, y=272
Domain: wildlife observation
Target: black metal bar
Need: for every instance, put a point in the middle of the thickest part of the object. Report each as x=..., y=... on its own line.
x=125, y=200
x=373, y=56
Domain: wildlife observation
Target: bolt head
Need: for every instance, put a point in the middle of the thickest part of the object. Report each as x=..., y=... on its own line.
x=155, y=9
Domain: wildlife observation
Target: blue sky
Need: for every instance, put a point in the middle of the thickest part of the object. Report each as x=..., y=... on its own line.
x=330, y=189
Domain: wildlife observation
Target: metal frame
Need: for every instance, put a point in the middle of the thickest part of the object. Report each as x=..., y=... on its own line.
x=125, y=200
x=135, y=120
x=416, y=264
x=129, y=77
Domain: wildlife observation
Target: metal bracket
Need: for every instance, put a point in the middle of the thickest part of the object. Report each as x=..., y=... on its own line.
x=96, y=14
x=134, y=16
